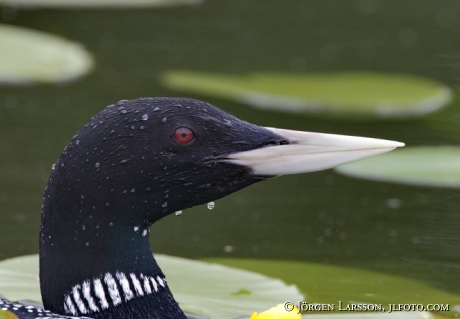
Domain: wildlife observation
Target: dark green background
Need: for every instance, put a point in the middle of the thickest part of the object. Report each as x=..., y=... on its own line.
x=321, y=217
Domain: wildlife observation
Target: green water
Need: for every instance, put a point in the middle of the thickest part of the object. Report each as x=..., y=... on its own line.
x=320, y=217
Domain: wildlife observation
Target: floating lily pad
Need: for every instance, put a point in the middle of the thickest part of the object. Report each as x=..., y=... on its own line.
x=95, y=3
x=233, y=292
x=436, y=166
x=321, y=284
x=353, y=93
x=327, y=284
x=28, y=56
x=7, y=315
x=207, y=289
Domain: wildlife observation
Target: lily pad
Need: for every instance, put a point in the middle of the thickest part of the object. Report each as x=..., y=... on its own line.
x=28, y=56
x=7, y=315
x=435, y=166
x=348, y=93
x=327, y=284
x=95, y=3
x=211, y=290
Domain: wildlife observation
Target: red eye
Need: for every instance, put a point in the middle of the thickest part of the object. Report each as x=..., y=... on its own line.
x=183, y=135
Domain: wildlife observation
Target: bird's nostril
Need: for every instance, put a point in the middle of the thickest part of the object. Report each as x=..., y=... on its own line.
x=274, y=143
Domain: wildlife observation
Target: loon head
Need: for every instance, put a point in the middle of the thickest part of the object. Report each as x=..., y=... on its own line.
x=139, y=161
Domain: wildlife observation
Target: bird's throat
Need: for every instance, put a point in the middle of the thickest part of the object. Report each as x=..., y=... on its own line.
x=101, y=269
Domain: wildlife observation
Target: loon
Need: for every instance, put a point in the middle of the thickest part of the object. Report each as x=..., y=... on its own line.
x=136, y=162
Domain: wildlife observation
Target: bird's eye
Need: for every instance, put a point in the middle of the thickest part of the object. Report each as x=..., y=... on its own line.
x=183, y=135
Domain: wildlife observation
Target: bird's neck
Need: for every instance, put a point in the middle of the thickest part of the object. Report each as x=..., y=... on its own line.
x=96, y=265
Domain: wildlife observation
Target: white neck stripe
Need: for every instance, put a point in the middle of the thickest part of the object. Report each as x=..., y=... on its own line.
x=161, y=281
x=76, y=303
x=69, y=306
x=147, y=287
x=99, y=291
x=125, y=286
x=87, y=295
x=154, y=283
x=137, y=284
x=113, y=289
x=77, y=299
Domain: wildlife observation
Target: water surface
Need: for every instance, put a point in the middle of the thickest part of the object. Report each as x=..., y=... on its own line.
x=321, y=217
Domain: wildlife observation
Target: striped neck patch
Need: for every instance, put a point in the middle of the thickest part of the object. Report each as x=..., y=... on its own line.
x=109, y=290
x=22, y=311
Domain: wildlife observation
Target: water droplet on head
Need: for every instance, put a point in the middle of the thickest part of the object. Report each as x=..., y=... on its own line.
x=77, y=142
x=53, y=166
x=164, y=119
x=132, y=127
x=133, y=190
x=96, y=165
x=178, y=213
x=164, y=204
x=156, y=109
x=145, y=117
x=123, y=111
x=211, y=205
x=87, y=244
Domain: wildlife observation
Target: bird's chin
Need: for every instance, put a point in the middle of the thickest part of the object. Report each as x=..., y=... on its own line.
x=224, y=187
